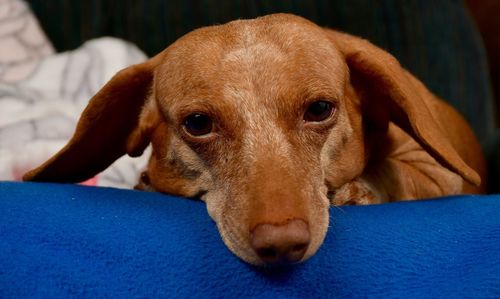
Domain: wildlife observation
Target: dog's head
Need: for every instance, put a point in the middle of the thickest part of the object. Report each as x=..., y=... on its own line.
x=260, y=119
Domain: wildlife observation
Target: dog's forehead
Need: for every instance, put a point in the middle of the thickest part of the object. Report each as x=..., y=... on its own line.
x=273, y=51
x=288, y=32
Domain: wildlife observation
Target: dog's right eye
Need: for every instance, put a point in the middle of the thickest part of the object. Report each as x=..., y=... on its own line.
x=318, y=111
x=198, y=124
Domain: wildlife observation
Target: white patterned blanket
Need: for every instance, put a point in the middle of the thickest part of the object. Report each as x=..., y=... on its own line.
x=42, y=93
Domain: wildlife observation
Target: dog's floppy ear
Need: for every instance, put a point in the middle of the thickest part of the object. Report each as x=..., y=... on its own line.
x=104, y=130
x=404, y=96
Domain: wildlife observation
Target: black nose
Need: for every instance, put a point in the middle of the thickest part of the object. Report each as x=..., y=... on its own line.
x=281, y=244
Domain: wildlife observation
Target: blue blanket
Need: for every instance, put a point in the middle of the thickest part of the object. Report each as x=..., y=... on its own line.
x=74, y=241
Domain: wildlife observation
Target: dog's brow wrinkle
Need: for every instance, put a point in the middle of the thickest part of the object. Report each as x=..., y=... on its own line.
x=261, y=133
x=268, y=139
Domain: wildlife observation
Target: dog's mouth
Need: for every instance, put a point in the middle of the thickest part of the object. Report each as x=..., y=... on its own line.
x=260, y=252
x=199, y=195
x=265, y=244
x=272, y=244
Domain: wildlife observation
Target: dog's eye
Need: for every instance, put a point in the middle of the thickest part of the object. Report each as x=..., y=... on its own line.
x=318, y=111
x=198, y=124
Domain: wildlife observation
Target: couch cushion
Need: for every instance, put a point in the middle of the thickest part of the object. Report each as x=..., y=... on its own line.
x=67, y=240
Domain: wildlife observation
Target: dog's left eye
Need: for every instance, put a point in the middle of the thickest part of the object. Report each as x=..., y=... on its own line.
x=198, y=124
x=318, y=111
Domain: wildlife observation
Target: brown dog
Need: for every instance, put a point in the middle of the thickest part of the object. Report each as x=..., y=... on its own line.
x=269, y=121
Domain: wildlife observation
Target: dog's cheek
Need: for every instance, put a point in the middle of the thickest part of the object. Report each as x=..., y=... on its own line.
x=343, y=156
x=174, y=168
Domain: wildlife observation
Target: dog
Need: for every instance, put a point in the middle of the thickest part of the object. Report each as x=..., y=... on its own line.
x=269, y=122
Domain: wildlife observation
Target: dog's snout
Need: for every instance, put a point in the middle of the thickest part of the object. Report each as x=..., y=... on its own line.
x=281, y=244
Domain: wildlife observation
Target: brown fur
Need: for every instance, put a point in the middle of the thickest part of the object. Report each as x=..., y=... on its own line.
x=388, y=139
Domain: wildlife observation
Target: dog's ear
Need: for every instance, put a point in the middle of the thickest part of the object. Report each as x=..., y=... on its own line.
x=108, y=128
x=402, y=96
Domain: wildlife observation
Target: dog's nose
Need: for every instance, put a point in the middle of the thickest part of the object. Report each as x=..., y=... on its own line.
x=281, y=244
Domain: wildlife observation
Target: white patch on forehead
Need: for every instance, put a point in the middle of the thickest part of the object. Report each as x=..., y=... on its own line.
x=250, y=54
x=252, y=48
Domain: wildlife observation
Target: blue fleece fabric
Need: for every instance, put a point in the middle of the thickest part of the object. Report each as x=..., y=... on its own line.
x=74, y=241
